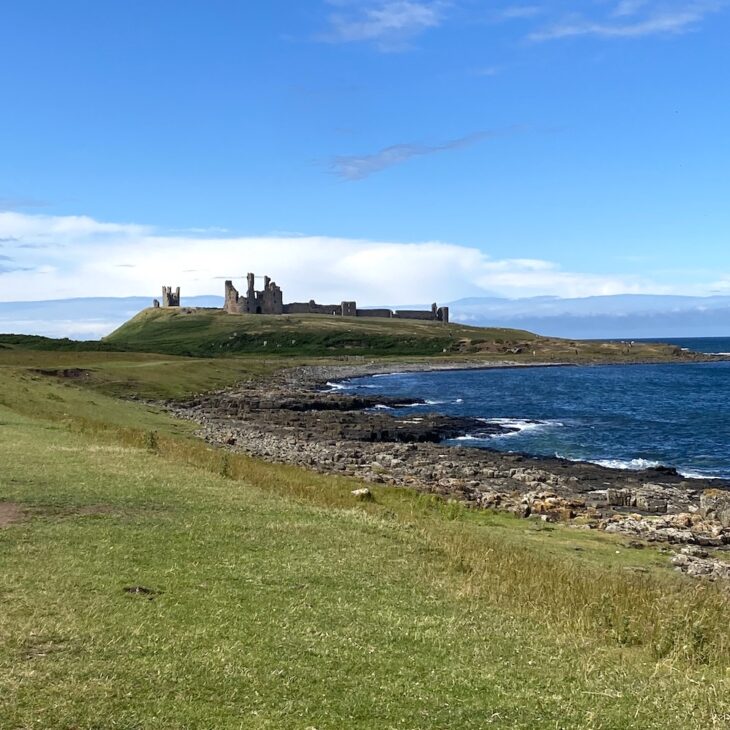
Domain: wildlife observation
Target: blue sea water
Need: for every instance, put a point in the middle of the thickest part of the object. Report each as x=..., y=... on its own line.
x=624, y=416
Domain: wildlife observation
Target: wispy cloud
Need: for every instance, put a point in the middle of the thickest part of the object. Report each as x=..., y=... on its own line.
x=19, y=202
x=633, y=19
x=8, y=265
x=390, y=25
x=519, y=12
x=629, y=7
x=358, y=167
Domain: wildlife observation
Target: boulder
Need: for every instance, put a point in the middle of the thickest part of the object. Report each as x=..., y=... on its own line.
x=715, y=504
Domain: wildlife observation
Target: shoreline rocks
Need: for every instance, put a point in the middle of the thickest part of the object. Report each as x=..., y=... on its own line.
x=291, y=419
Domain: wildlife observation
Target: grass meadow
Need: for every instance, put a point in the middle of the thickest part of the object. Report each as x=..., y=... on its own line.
x=150, y=581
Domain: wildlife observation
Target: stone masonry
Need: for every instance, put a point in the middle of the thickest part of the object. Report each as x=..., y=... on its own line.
x=270, y=301
x=170, y=298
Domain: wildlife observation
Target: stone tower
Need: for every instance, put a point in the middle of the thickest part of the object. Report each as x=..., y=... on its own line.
x=170, y=298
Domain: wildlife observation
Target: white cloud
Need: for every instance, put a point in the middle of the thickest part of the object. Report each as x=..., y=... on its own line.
x=389, y=24
x=633, y=19
x=91, y=258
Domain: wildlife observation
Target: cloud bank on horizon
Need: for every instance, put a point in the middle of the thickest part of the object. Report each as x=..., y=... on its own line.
x=56, y=257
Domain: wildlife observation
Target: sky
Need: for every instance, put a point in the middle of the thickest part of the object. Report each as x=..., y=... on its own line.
x=392, y=151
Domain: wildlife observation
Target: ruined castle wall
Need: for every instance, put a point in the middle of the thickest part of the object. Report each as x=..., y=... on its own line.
x=234, y=303
x=170, y=298
x=414, y=314
x=313, y=308
x=382, y=313
x=271, y=299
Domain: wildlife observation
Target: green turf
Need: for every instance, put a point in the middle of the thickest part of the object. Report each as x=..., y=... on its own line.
x=279, y=601
x=213, y=332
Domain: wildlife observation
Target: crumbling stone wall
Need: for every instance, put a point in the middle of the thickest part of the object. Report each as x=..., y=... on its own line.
x=311, y=307
x=413, y=314
x=383, y=313
x=170, y=298
x=270, y=301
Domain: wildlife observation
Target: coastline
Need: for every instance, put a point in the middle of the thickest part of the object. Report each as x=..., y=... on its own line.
x=291, y=418
x=347, y=372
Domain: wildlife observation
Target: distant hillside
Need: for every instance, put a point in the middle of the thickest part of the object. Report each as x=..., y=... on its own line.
x=631, y=316
x=210, y=332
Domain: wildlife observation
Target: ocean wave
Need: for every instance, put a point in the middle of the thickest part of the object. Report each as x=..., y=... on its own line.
x=639, y=465
x=691, y=474
x=337, y=386
x=624, y=464
x=520, y=425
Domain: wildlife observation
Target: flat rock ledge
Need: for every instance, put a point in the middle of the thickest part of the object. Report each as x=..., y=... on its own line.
x=293, y=419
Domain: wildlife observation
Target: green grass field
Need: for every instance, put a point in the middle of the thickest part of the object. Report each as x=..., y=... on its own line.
x=213, y=333
x=149, y=581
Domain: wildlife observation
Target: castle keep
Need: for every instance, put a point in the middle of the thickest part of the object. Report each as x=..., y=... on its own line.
x=270, y=300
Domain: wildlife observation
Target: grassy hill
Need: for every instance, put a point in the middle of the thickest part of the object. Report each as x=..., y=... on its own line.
x=212, y=333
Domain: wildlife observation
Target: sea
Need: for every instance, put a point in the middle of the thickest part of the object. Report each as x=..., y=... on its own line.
x=621, y=416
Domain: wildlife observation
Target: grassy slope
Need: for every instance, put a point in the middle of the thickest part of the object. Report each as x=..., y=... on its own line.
x=210, y=333
x=283, y=603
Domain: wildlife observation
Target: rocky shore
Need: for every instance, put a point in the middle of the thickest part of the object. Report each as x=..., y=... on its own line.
x=295, y=418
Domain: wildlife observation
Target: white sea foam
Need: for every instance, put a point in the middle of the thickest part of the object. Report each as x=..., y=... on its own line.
x=383, y=407
x=337, y=386
x=520, y=425
x=690, y=474
x=640, y=464
x=625, y=464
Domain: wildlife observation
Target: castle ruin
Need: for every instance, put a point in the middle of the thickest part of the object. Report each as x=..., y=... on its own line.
x=170, y=298
x=270, y=300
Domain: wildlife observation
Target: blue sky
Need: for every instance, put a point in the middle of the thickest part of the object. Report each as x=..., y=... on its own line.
x=413, y=149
